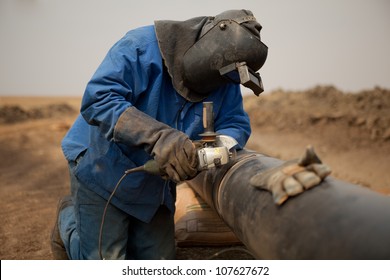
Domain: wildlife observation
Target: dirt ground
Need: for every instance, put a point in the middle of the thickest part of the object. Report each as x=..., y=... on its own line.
x=350, y=132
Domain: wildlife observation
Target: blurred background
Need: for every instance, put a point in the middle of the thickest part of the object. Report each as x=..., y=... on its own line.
x=52, y=47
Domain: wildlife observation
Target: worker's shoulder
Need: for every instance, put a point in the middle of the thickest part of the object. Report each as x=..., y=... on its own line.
x=141, y=36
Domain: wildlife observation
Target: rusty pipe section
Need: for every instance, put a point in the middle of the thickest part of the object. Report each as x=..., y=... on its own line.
x=335, y=220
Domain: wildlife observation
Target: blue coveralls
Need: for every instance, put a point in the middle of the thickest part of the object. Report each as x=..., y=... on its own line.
x=139, y=222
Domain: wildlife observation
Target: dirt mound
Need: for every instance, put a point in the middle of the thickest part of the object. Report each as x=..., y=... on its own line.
x=14, y=113
x=362, y=117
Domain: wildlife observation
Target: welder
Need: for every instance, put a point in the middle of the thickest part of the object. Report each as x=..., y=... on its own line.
x=145, y=102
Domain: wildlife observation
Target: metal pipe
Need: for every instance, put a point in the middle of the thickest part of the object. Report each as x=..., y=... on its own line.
x=335, y=220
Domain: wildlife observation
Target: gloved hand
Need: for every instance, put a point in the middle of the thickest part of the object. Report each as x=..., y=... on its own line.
x=293, y=177
x=173, y=151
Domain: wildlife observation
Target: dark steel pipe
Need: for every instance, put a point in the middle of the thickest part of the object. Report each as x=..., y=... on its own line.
x=335, y=220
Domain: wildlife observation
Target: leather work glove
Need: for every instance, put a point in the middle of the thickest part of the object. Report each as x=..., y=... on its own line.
x=293, y=177
x=172, y=149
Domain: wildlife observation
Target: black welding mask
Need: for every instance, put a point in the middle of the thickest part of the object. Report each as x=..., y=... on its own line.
x=204, y=53
x=229, y=50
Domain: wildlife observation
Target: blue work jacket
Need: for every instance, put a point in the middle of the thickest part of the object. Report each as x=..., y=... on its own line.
x=133, y=74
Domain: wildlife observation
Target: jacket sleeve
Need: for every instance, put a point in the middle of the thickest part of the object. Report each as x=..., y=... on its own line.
x=231, y=119
x=120, y=77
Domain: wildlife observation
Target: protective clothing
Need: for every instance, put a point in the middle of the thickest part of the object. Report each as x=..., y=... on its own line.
x=57, y=245
x=195, y=50
x=133, y=75
x=293, y=177
x=173, y=151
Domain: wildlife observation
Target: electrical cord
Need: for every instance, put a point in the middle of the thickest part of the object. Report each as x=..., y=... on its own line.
x=127, y=172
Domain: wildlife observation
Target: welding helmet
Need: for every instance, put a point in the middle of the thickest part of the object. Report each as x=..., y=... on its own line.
x=204, y=53
x=229, y=49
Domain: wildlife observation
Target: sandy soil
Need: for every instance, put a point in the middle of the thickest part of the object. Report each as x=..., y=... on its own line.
x=350, y=132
